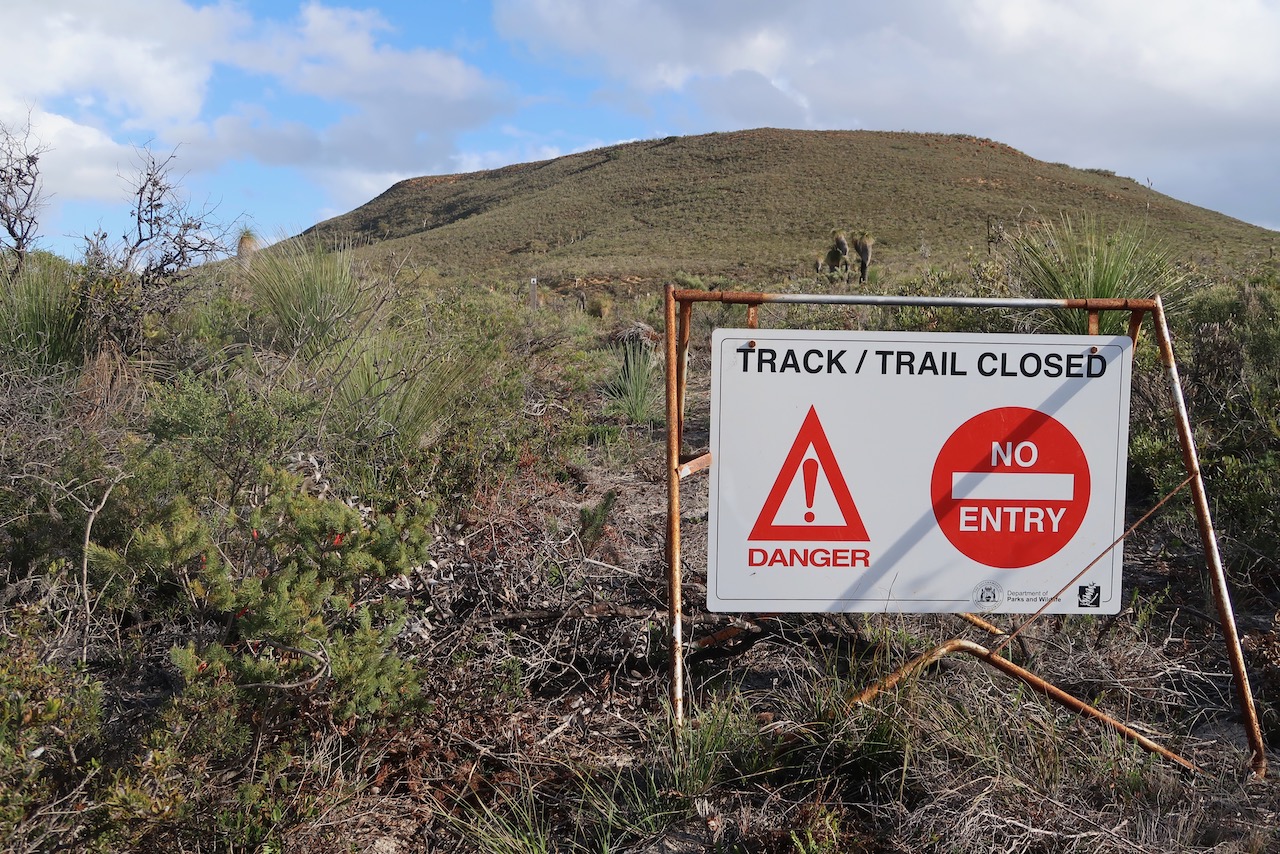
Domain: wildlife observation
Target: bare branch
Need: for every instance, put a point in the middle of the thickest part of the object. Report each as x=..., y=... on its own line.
x=21, y=192
x=143, y=272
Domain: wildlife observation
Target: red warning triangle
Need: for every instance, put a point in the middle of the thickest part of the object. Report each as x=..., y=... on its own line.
x=811, y=435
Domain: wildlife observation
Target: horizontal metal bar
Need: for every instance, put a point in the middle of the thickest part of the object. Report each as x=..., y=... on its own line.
x=753, y=298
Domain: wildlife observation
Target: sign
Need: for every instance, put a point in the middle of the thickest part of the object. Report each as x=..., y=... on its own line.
x=916, y=472
x=1010, y=487
x=848, y=527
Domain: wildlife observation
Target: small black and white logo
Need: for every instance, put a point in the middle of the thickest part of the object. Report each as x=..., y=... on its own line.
x=988, y=596
x=1089, y=596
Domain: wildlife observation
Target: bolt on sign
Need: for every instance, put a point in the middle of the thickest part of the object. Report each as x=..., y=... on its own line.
x=916, y=472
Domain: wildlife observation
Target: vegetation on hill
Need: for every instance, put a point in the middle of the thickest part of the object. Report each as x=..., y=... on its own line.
x=757, y=207
x=357, y=545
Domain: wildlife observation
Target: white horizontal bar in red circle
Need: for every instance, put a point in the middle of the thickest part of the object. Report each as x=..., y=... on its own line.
x=1011, y=486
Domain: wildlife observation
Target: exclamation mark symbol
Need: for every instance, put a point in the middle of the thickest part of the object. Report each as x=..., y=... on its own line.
x=810, y=470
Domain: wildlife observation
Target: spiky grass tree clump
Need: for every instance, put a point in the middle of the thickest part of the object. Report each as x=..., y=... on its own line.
x=247, y=243
x=1080, y=258
x=388, y=384
x=309, y=297
x=387, y=391
x=633, y=390
x=41, y=327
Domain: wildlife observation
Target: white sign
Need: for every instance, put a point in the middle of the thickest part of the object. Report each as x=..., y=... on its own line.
x=916, y=472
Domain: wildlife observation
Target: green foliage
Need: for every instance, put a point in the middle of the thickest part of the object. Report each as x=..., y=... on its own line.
x=225, y=432
x=296, y=583
x=41, y=326
x=49, y=720
x=310, y=297
x=520, y=823
x=821, y=835
x=633, y=390
x=1233, y=389
x=391, y=386
x=291, y=579
x=706, y=748
x=592, y=520
x=387, y=382
x=1082, y=258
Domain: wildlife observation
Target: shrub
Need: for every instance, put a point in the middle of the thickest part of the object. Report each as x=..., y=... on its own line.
x=1083, y=259
x=1233, y=391
x=41, y=327
x=309, y=298
x=390, y=387
x=633, y=389
x=49, y=722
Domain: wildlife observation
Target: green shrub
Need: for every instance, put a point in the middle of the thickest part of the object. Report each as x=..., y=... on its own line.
x=633, y=390
x=391, y=387
x=41, y=327
x=1232, y=382
x=49, y=722
x=1082, y=258
x=310, y=298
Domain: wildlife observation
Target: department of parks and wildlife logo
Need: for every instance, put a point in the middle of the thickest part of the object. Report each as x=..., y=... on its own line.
x=988, y=596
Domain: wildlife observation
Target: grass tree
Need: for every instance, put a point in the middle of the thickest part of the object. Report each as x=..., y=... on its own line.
x=1080, y=257
x=40, y=326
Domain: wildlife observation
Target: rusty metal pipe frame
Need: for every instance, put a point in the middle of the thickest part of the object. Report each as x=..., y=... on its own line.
x=674, y=375
x=1209, y=539
x=751, y=298
x=677, y=343
x=1033, y=681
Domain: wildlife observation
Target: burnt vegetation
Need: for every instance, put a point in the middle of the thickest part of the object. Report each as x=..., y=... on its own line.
x=352, y=543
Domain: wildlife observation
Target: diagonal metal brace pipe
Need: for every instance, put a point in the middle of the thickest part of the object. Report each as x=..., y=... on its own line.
x=1212, y=557
x=1036, y=684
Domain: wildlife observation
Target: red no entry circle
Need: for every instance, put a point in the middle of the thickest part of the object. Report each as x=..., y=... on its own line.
x=1010, y=487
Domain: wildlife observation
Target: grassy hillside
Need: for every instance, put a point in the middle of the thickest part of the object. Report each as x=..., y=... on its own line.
x=758, y=206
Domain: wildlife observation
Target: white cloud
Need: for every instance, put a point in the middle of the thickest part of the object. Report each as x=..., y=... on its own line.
x=94, y=172
x=1209, y=53
x=1122, y=84
x=334, y=54
x=952, y=56
x=658, y=44
x=143, y=62
x=333, y=96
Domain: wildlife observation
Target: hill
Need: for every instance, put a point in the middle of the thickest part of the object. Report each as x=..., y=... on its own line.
x=758, y=206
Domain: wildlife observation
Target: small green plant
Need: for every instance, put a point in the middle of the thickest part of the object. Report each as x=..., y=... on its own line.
x=592, y=519
x=518, y=823
x=706, y=746
x=821, y=835
x=633, y=390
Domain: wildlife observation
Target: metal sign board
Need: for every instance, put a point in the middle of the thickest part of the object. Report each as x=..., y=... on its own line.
x=916, y=472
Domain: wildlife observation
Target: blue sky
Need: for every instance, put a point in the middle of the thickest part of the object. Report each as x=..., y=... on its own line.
x=282, y=114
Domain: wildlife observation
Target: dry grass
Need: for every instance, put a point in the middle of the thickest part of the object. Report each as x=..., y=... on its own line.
x=759, y=206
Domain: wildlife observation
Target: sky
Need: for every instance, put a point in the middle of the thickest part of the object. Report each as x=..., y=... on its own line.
x=280, y=114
